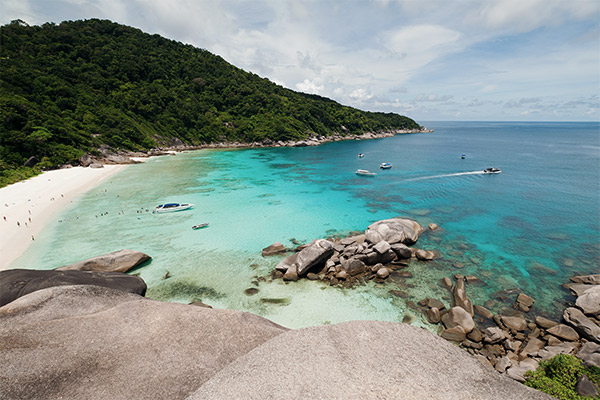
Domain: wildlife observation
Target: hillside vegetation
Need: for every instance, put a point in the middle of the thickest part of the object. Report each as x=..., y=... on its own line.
x=67, y=89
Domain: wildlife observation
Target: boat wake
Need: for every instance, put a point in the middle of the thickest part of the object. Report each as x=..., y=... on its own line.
x=421, y=178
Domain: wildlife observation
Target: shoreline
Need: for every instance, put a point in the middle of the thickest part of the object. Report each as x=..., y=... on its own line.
x=27, y=206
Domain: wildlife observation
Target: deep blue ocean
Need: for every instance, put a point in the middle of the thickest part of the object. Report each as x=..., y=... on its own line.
x=529, y=228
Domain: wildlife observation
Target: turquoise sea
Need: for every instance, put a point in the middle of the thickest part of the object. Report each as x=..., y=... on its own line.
x=530, y=227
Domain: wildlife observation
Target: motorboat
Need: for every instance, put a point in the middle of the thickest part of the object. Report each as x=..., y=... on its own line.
x=200, y=226
x=385, y=165
x=360, y=155
x=172, y=207
x=365, y=172
x=463, y=156
x=491, y=170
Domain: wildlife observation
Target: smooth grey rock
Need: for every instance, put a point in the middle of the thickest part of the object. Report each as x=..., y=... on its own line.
x=433, y=315
x=514, y=323
x=457, y=316
x=582, y=324
x=587, y=279
x=483, y=312
x=517, y=370
x=577, y=289
x=585, y=387
x=353, y=266
x=494, y=335
x=275, y=248
x=563, y=331
x=459, y=296
x=425, y=255
x=15, y=283
x=291, y=274
x=415, y=365
x=89, y=342
x=589, y=353
x=382, y=247
x=383, y=273
x=402, y=251
x=550, y=351
x=454, y=334
x=502, y=364
x=117, y=261
x=287, y=262
x=524, y=302
x=316, y=253
x=589, y=301
x=394, y=230
x=545, y=323
x=533, y=346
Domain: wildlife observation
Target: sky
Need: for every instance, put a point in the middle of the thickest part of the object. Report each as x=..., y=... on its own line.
x=432, y=60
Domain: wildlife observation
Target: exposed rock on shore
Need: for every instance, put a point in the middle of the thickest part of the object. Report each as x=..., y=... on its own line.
x=117, y=261
x=88, y=342
x=15, y=283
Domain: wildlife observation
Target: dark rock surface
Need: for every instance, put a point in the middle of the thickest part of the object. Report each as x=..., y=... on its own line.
x=15, y=283
x=117, y=261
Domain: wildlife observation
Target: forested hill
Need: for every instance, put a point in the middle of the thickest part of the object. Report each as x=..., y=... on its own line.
x=66, y=89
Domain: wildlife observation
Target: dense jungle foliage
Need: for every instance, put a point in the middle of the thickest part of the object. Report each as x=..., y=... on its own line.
x=66, y=89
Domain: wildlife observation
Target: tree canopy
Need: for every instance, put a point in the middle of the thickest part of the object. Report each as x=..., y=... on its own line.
x=66, y=89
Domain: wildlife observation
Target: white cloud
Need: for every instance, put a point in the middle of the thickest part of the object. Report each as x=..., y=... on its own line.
x=310, y=87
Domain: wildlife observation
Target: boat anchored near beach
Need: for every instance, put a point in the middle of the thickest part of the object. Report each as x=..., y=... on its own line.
x=385, y=165
x=172, y=207
x=365, y=172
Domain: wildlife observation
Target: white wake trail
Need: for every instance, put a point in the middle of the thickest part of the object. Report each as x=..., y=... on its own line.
x=445, y=175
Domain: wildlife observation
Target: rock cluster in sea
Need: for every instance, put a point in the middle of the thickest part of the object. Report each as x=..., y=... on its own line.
x=514, y=343
x=377, y=253
x=511, y=341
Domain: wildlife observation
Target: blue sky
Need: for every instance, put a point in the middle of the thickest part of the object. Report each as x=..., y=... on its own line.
x=518, y=60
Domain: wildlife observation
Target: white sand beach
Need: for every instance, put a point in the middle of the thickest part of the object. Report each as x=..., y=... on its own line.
x=28, y=205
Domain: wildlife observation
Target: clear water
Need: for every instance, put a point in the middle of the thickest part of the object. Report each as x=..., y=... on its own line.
x=530, y=227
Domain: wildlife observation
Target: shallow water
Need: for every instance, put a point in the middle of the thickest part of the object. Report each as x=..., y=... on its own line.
x=530, y=227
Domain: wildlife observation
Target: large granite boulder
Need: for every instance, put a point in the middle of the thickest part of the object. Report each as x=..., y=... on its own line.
x=316, y=253
x=117, y=261
x=459, y=296
x=353, y=362
x=15, y=283
x=582, y=324
x=589, y=301
x=89, y=342
x=457, y=316
x=394, y=230
x=353, y=266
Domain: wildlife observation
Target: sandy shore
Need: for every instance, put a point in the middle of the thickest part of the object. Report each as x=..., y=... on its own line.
x=28, y=205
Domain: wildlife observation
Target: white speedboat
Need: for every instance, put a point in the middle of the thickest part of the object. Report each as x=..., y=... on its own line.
x=385, y=165
x=491, y=170
x=200, y=226
x=365, y=172
x=172, y=207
